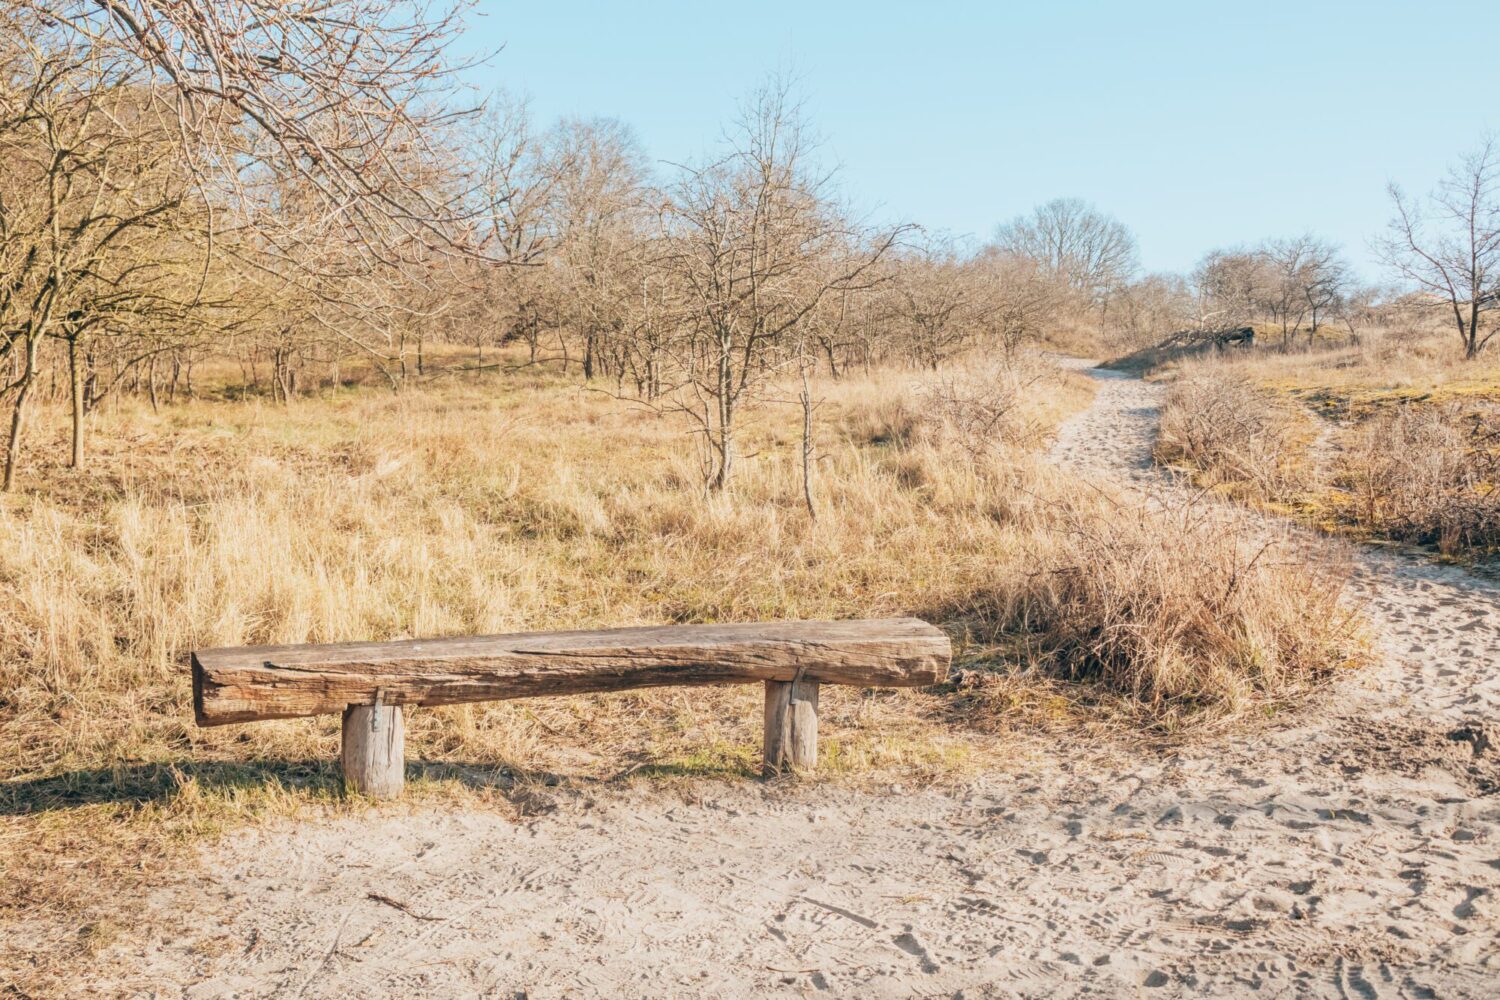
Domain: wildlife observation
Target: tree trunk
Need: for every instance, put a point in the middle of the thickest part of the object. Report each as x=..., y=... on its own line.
x=18, y=416
x=725, y=404
x=151, y=384
x=75, y=374
x=282, y=376
x=13, y=446
x=724, y=447
x=807, y=446
x=91, y=392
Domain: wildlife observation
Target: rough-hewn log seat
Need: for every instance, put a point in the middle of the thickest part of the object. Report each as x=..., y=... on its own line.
x=370, y=681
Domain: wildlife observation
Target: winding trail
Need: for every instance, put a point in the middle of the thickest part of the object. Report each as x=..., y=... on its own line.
x=1352, y=852
x=1438, y=626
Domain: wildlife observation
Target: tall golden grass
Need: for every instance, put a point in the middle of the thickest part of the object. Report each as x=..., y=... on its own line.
x=494, y=505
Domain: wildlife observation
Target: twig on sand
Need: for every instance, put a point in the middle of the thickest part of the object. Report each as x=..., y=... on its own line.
x=866, y=921
x=388, y=901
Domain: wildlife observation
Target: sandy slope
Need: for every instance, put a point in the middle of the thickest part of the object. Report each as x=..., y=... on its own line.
x=1355, y=854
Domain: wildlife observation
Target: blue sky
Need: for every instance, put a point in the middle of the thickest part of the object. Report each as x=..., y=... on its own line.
x=1197, y=124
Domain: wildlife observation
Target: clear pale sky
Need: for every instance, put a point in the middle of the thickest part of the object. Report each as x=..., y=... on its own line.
x=1197, y=124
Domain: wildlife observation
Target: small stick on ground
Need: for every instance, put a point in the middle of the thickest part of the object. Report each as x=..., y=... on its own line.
x=388, y=901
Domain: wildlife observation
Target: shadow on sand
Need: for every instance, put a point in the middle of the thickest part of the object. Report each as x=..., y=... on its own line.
x=143, y=784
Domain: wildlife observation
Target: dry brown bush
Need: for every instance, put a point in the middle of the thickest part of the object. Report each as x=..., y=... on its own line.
x=983, y=408
x=1233, y=432
x=1182, y=606
x=1407, y=435
x=1427, y=474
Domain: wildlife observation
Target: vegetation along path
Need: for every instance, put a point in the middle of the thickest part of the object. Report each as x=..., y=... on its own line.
x=1350, y=850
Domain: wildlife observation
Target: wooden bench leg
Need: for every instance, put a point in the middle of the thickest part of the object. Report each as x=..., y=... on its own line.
x=374, y=750
x=791, y=736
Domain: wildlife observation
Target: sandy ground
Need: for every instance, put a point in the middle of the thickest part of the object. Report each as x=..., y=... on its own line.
x=1354, y=853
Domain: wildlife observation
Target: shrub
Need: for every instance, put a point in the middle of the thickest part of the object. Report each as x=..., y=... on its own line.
x=984, y=408
x=1427, y=474
x=1183, y=605
x=1233, y=433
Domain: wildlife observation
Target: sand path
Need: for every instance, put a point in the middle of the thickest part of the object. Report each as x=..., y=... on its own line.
x=1355, y=853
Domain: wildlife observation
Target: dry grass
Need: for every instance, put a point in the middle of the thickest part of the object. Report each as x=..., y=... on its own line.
x=990, y=408
x=1185, y=608
x=1426, y=474
x=1387, y=368
x=1395, y=438
x=526, y=503
x=1234, y=434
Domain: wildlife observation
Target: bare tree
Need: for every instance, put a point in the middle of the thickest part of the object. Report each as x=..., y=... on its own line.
x=1149, y=310
x=1230, y=286
x=1325, y=282
x=1282, y=288
x=944, y=302
x=936, y=296
x=833, y=327
x=1092, y=252
x=1456, y=253
x=311, y=293
x=1303, y=278
x=517, y=176
x=744, y=237
x=339, y=92
x=1018, y=296
x=1363, y=306
x=98, y=229
x=600, y=211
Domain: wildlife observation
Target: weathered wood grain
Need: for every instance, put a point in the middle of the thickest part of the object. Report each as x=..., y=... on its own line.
x=248, y=683
x=791, y=731
x=374, y=750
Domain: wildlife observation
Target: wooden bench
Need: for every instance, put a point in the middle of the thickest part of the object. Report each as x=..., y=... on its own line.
x=371, y=682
